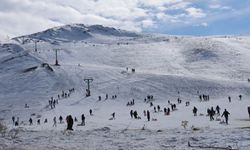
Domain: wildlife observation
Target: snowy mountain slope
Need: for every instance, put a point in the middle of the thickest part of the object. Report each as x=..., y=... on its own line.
x=25, y=79
x=75, y=32
x=162, y=54
x=164, y=65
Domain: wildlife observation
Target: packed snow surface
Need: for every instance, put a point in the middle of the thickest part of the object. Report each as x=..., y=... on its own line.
x=167, y=67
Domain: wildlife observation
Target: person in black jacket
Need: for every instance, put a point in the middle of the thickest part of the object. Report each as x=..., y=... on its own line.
x=225, y=114
x=30, y=121
x=148, y=115
x=83, y=120
x=60, y=119
x=70, y=122
x=90, y=112
x=131, y=113
x=195, y=111
x=135, y=114
x=218, y=109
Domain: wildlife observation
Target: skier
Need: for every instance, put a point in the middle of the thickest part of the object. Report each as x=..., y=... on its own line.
x=83, y=120
x=30, y=121
x=70, y=122
x=38, y=122
x=148, y=115
x=107, y=96
x=225, y=114
x=195, y=111
x=54, y=120
x=45, y=120
x=229, y=99
x=76, y=119
x=99, y=98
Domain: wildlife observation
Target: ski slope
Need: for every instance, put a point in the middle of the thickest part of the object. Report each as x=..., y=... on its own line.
x=165, y=64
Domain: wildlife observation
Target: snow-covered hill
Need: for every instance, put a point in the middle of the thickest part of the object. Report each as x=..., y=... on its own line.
x=166, y=67
x=75, y=32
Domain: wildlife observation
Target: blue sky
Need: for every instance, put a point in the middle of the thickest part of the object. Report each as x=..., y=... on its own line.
x=222, y=18
x=182, y=17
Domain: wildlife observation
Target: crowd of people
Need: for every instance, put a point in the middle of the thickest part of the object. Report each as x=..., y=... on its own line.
x=107, y=97
x=171, y=107
x=53, y=101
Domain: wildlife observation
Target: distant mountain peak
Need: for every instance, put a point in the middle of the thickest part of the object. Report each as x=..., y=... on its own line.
x=74, y=32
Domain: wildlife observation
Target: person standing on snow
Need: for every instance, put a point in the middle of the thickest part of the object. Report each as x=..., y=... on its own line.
x=248, y=108
x=240, y=96
x=70, y=122
x=83, y=120
x=148, y=115
x=212, y=112
x=225, y=114
x=90, y=112
x=54, y=120
x=195, y=111
x=165, y=111
x=30, y=121
x=60, y=119
x=158, y=108
x=13, y=120
x=131, y=113
x=218, y=109
x=135, y=114
x=113, y=115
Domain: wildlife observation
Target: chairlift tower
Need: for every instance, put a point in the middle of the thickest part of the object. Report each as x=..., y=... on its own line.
x=56, y=63
x=88, y=81
x=36, y=41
